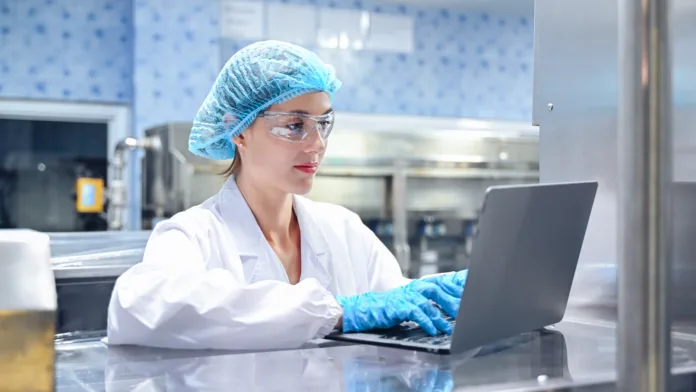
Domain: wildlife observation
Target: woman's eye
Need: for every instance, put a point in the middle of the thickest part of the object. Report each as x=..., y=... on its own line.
x=295, y=127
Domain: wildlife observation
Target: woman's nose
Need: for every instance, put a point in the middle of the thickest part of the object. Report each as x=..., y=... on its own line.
x=315, y=142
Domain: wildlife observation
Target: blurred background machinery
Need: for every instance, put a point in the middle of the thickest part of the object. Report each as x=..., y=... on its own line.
x=48, y=183
x=577, y=118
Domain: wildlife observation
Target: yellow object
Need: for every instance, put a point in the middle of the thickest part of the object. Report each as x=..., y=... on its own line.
x=90, y=195
x=27, y=353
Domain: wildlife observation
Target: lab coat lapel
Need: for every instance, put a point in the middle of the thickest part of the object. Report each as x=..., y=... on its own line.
x=252, y=245
x=315, y=248
x=245, y=231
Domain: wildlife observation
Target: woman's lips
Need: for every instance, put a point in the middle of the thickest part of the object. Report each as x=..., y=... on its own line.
x=309, y=168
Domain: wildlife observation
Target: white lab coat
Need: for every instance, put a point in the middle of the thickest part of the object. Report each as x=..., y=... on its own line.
x=209, y=279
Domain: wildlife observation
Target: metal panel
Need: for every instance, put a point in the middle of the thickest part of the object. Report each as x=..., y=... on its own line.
x=683, y=29
x=576, y=70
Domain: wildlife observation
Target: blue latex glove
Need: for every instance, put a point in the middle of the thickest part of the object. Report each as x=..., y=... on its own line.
x=434, y=380
x=364, y=376
x=438, y=294
x=364, y=312
x=452, y=283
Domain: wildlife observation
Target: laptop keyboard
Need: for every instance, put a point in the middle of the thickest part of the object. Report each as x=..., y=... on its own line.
x=411, y=332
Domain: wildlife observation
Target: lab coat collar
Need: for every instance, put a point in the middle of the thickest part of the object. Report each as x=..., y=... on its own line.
x=250, y=240
x=240, y=220
x=314, y=244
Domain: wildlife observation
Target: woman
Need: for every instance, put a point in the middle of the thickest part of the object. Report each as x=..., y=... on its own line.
x=256, y=266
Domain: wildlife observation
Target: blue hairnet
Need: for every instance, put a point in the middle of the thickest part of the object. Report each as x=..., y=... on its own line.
x=258, y=76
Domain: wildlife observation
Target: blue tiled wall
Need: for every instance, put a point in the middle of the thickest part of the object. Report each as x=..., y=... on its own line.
x=176, y=58
x=464, y=64
x=77, y=50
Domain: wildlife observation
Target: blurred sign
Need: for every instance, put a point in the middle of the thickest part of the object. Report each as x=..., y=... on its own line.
x=90, y=195
x=309, y=25
x=242, y=19
x=343, y=29
x=391, y=33
x=292, y=23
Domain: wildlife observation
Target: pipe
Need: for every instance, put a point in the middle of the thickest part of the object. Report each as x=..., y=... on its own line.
x=645, y=176
x=118, y=198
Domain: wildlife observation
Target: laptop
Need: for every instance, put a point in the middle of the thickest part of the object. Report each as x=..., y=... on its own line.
x=524, y=255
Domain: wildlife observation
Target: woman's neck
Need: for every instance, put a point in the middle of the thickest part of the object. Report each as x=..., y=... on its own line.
x=272, y=209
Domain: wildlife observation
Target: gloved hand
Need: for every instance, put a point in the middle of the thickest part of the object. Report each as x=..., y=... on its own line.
x=438, y=294
x=388, y=309
x=452, y=283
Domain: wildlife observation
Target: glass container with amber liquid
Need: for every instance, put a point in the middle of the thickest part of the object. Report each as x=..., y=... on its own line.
x=27, y=312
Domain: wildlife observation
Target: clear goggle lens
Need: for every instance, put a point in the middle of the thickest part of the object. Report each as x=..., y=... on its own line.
x=297, y=127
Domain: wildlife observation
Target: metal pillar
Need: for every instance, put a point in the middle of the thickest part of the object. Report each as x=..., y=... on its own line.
x=645, y=177
x=399, y=212
x=118, y=198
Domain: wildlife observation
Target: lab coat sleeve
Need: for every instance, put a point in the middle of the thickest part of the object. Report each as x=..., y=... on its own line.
x=384, y=272
x=172, y=300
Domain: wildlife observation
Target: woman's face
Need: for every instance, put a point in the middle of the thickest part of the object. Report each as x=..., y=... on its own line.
x=271, y=152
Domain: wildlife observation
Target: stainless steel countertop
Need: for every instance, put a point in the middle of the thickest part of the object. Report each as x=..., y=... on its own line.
x=572, y=353
x=96, y=254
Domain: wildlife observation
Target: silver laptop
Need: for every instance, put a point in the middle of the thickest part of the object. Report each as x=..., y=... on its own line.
x=523, y=261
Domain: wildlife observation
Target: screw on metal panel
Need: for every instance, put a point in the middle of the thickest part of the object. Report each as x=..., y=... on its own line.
x=550, y=106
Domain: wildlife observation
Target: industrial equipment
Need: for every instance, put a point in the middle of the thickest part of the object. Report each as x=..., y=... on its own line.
x=53, y=175
x=577, y=118
x=86, y=266
x=613, y=96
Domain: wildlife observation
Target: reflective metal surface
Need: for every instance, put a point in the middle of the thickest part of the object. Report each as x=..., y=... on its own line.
x=570, y=355
x=577, y=138
x=96, y=254
x=576, y=70
x=399, y=214
x=644, y=195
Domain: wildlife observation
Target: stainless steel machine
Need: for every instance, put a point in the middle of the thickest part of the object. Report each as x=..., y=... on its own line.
x=614, y=81
x=576, y=88
x=414, y=186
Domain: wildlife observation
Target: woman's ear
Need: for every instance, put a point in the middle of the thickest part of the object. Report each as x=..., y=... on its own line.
x=239, y=141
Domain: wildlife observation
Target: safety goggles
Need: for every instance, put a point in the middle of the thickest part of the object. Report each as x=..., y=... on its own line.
x=297, y=127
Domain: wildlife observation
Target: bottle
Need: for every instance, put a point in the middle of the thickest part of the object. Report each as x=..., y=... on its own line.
x=440, y=228
x=426, y=227
x=28, y=303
